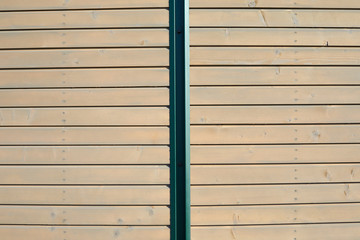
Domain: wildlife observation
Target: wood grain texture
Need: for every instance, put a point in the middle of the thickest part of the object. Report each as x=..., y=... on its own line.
x=84, y=38
x=276, y=194
x=85, y=195
x=90, y=77
x=274, y=75
x=83, y=135
x=266, y=174
x=273, y=18
x=85, y=97
x=62, y=175
x=84, y=155
x=257, y=154
x=84, y=19
x=129, y=57
x=306, y=56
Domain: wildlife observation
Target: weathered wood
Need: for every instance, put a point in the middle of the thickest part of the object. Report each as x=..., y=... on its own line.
x=84, y=116
x=259, y=174
x=83, y=135
x=126, y=57
x=273, y=18
x=85, y=155
x=63, y=175
x=84, y=38
x=274, y=56
x=256, y=154
x=84, y=19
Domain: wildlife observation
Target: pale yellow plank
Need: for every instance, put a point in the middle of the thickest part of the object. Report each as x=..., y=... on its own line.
x=274, y=37
x=83, y=135
x=274, y=75
x=259, y=174
x=275, y=95
x=84, y=19
x=308, y=232
x=276, y=194
x=273, y=18
x=274, y=56
x=85, y=195
x=274, y=4
x=84, y=38
x=85, y=155
x=274, y=114
x=85, y=97
x=89, y=233
x=111, y=77
x=275, y=134
x=84, y=175
x=334, y=153
x=84, y=116
x=85, y=215
x=84, y=58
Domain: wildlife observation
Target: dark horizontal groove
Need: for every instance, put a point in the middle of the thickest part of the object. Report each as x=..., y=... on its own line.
x=276, y=224
x=271, y=124
x=275, y=65
x=85, y=165
x=274, y=163
x=275, y=27
x=83, y=145
x=84, y=88
x=83, y=28
x=280, y=85
x=280, y=46
x=82, y=9
x=277, y=144
x=272, y=184
x=84, y=185
x=274, y=204
x=84, y=48
x=83, y=225
x=272, y=8
x=82, y=106
x=87, y=205
x=96, y=67
x=85, y=126
x=269, y=105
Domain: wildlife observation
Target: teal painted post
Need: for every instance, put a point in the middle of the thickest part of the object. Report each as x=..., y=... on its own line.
x=179, y=120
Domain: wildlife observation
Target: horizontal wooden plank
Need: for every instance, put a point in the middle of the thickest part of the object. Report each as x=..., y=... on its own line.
x=85, y=215
x=274, y=56
x=83, y=135
x=274, y=4
x=308, y=232
x=79, y=4
x=85, y=195
x=111, y=77
x=264, y=174
x=85, y=97
x=275, y=95
x=84, y=19
x=273, y=18
x=275, y=134
x=84, y=155
x=275, y=194
x=84, y=38
x=84, y=175
x=334, y=153
x=129, y=57
x=274, y=75
x=274, y=114
x=90, y=233
x=273, y=37
x=84, y=116
x=244, y=215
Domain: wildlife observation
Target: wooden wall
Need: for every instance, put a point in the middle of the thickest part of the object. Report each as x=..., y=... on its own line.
x=84, y=138
x=275, y=119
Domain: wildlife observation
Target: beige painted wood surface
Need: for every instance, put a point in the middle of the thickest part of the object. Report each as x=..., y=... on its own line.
x=286, y=75
x=90, y=233
x=274, y=56
x=258, y=154
x=84, y=155
x=84, y=38
x=114, y=116
x=274, y=194
x=267, y=174
x=85, y=97
x=85, y=19
x=127, y=57
x=90, y=77
x=274, y=18
x=83, y=135
x=60, y=175
x=85, y=195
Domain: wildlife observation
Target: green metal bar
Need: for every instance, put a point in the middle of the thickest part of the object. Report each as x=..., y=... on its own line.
x=179, y=120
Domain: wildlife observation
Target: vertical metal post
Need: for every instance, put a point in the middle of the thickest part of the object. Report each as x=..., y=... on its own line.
x=179, y=120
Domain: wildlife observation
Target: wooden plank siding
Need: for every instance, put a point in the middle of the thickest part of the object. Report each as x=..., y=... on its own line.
x=84, y=120
x=274, y=115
